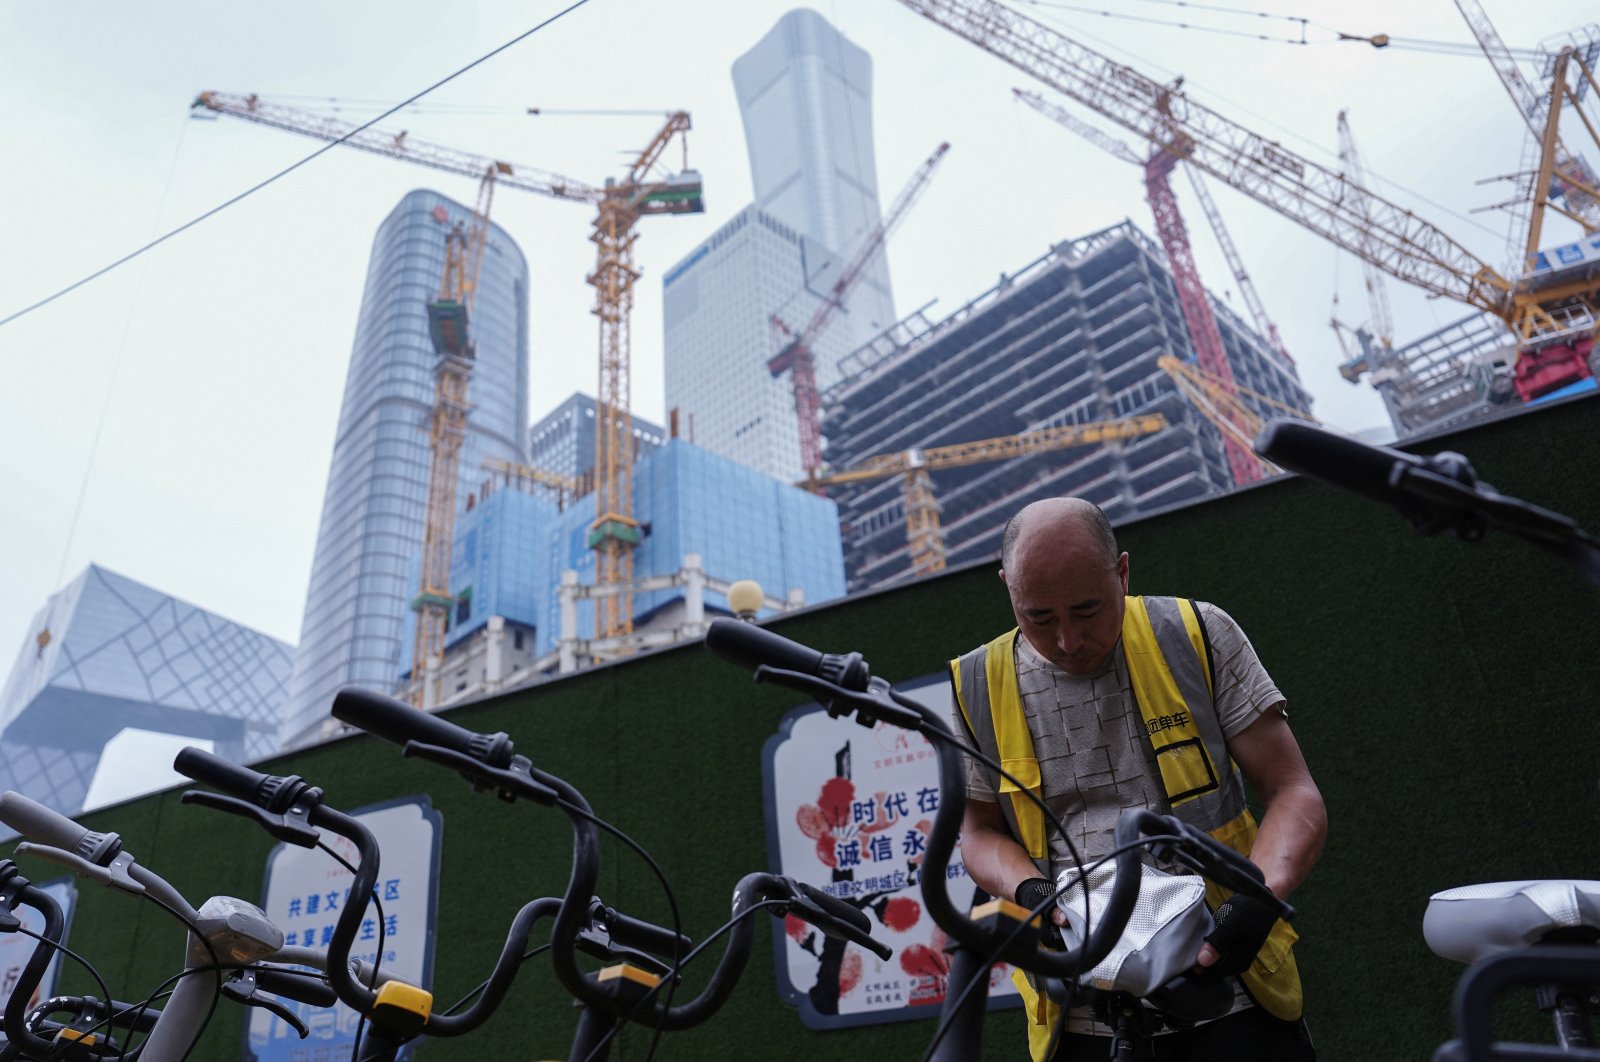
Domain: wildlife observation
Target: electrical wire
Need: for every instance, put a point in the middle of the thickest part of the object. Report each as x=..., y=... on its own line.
x=1146, y=20
x=1336, y=36
x=116, y=368
x=138, y=1010
x=99, y=981
x=372, y=982
x=216, y=964
x=324, y=149
x=1054, y=820
x=673, y=975
x=338, y=104
x=464, y=1000
x=666, y=888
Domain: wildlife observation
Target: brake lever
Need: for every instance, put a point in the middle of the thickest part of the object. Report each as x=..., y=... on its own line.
x=598, y=943
x=1201, y=852
x=241, y=988
x=289, y=826
x=805, y=898
x=114, y=876
x=508, y=784
x=869, y=707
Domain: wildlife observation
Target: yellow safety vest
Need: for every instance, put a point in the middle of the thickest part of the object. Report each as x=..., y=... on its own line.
x=1169, y=663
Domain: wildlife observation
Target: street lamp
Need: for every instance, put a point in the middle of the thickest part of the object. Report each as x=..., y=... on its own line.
x=745, y=598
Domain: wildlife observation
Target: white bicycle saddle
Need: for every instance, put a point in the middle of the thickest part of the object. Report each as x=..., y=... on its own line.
x=1473, y=921
x=1163, y=934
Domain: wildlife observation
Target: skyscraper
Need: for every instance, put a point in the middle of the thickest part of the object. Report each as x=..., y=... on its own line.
x=563, y=439
x=511, y=548
x=107, y=653
x=805, y=94
x=717, y=305
x=357, y=606
x=806, y=97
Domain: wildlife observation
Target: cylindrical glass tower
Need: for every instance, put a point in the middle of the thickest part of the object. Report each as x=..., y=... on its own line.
x=358, y=603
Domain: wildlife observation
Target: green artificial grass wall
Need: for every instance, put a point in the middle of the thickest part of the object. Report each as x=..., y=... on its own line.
x=1442, y=693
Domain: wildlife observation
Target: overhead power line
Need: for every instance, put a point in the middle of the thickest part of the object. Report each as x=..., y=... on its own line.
x=1302, y=23
x=253, y=189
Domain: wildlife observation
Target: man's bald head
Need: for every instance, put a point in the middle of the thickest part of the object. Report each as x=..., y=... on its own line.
x=1056, y=516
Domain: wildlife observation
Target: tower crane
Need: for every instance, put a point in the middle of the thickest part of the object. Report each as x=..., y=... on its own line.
x=615, y=533
x=923, y=533
x=1381, y=322
x=449, y=327
x=1241, y=276
x=1222, y=406
x=796, y=357
x=1201, y=323
x=1575, y=181
x=253, y=108
x=1551, y=310
x=620, y=204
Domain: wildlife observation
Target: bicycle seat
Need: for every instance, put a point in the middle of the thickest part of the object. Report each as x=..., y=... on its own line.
x=1473, y=921
x=1162, y=936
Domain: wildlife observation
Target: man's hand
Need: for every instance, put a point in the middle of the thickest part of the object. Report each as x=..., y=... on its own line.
x=1243, y=923
x=1031, y=894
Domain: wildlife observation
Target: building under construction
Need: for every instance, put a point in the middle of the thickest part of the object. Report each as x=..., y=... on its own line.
x=1459, y=373
x=1072, y=338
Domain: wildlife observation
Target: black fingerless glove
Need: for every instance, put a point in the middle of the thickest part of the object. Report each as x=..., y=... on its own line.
x=1031, y=894
x=1243, y=923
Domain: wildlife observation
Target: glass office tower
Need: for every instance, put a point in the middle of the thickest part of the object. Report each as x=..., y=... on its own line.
x=805, y=94
x=108, y=654
x=717, y=307
x=563, y=440
x=358, y=603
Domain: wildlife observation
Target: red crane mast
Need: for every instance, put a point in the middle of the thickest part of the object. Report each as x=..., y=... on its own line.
x=796, y=358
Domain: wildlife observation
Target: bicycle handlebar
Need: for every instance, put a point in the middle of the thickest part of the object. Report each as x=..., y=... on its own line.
x=44, y=825
x=490, y=761
x=296, y=985
x=266, y=792
x=17, y=891
x=1437, y=493
x=882, y=702
x=399, y=722
x=223, y=775
x=636, y=934
x=748, y=646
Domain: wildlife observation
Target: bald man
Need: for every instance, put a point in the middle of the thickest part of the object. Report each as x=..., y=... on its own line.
x=1108, y=702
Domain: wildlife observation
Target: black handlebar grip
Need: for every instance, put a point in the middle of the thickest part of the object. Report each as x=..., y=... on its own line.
x=749, y=646
x=297, y=985
x=399, y=722
x=40, y=824
x=1334, y=458
x=636, y=933
x=222, y=775
x=844, y=912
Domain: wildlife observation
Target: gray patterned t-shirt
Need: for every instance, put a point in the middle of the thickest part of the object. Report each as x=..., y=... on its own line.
x=1095, y=760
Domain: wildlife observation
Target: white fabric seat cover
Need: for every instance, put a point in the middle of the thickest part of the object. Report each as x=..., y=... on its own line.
x=1163, y=934
x=1473, y=921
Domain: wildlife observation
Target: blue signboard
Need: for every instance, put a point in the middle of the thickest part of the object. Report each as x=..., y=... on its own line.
x=17, y=948
x=305, y=892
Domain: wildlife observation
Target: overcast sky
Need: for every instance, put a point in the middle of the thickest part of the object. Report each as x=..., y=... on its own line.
x=191, y=396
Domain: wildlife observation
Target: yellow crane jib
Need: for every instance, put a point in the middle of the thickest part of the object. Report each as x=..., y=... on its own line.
x=924, y=537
